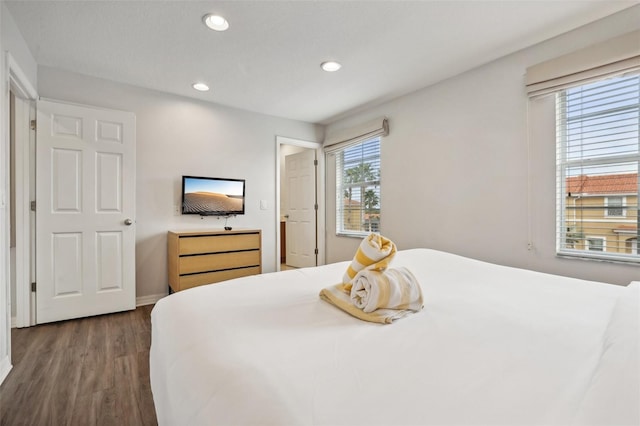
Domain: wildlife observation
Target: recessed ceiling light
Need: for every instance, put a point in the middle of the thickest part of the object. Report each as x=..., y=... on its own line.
x=330, y=66
x=215, y=22
x=200, y=87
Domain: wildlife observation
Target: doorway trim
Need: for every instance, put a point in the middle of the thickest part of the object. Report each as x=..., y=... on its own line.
x=20, y=86
x=320, y=195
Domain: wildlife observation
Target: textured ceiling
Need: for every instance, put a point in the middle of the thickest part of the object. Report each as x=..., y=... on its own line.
x=269, y=59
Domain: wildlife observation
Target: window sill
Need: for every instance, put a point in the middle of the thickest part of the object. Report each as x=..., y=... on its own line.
x=353, y=234
x=623, y=260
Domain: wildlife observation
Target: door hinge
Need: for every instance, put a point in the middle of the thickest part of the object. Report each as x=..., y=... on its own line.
x=33, y=286
x=316, y=251
x=315, y=162
x=33, y=206
x=33, y=124
x=315, y=206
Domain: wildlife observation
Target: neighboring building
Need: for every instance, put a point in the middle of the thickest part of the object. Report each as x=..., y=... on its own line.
x=356, y=218
x=602, y=212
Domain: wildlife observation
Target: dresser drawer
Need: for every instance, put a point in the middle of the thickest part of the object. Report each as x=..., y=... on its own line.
x=219, y=243
x=216, y=261
x=197, y=257
x=188, y=281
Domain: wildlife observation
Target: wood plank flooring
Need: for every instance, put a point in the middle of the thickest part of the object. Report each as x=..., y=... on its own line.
x=89, y=371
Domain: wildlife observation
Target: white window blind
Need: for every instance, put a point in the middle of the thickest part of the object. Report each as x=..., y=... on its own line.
x=598, y=156
x=358, y=188
x=339, y=139
x=610, y=57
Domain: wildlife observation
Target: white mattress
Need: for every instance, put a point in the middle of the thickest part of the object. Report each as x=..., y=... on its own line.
x=493, y=346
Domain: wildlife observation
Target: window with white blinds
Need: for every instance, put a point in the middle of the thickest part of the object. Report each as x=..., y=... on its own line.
x=358, y=188
x=598, y=157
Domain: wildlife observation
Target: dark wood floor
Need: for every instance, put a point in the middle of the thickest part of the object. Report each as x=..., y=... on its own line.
x=90, y=371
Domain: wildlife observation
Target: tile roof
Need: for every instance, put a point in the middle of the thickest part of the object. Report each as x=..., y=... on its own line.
x=624, y=183
x=353, y=203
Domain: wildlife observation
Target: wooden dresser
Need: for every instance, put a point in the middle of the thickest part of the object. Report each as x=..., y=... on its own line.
x=202, y=257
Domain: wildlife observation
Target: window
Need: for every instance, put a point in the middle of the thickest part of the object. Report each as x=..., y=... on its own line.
x=358, y=188
x=598, y=156
x=614, y=206
x=595, y=244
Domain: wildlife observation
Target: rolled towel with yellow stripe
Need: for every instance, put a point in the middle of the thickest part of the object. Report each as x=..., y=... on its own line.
x=389, y=289
x=374, y=253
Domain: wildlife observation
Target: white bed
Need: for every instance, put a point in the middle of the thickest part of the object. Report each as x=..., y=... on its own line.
x=492, y=346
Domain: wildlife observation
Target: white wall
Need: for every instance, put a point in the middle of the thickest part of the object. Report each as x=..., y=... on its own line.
x=13, y=42
x=454, y=167
x=178, y=136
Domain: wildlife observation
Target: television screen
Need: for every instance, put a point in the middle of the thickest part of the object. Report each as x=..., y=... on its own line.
x=212, y=196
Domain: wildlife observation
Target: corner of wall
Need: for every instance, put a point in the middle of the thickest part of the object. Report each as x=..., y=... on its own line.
x=150, y=299
x=14, y=43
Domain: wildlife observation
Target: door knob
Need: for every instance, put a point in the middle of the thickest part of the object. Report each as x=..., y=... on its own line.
x=128, y=222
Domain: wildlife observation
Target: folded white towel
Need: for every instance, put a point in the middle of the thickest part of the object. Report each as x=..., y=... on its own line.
x=374, y=252
x=389, y=289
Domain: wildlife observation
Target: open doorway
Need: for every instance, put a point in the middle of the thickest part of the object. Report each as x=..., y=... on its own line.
x=300, y=201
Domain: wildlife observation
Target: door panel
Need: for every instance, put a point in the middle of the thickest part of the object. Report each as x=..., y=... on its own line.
x=85, y=251
x=109, y=182
x=66, y=180
x=66, y=254
x=109, y=260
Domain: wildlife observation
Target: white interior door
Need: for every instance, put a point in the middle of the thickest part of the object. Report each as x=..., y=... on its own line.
x=300, y=175
x=85, y=216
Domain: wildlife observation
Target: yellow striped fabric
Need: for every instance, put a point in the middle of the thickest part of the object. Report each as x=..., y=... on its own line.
x=400, y=290
x=389, y=289
x=374, y=253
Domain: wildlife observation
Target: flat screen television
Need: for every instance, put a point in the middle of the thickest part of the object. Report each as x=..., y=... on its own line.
x=209, y=196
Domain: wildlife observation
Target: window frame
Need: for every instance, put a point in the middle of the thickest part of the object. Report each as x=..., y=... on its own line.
x=341, y=187
x=603, y=243
x=564, y=164
x=621, y=207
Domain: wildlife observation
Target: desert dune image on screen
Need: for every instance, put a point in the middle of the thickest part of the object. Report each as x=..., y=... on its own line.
x=212, y=196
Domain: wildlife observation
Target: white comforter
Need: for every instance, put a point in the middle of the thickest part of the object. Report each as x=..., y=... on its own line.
x=493, y=346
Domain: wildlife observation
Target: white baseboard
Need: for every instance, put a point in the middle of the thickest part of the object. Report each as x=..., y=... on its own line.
x=13, y=322
x=5, y=368
x=149, y=300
